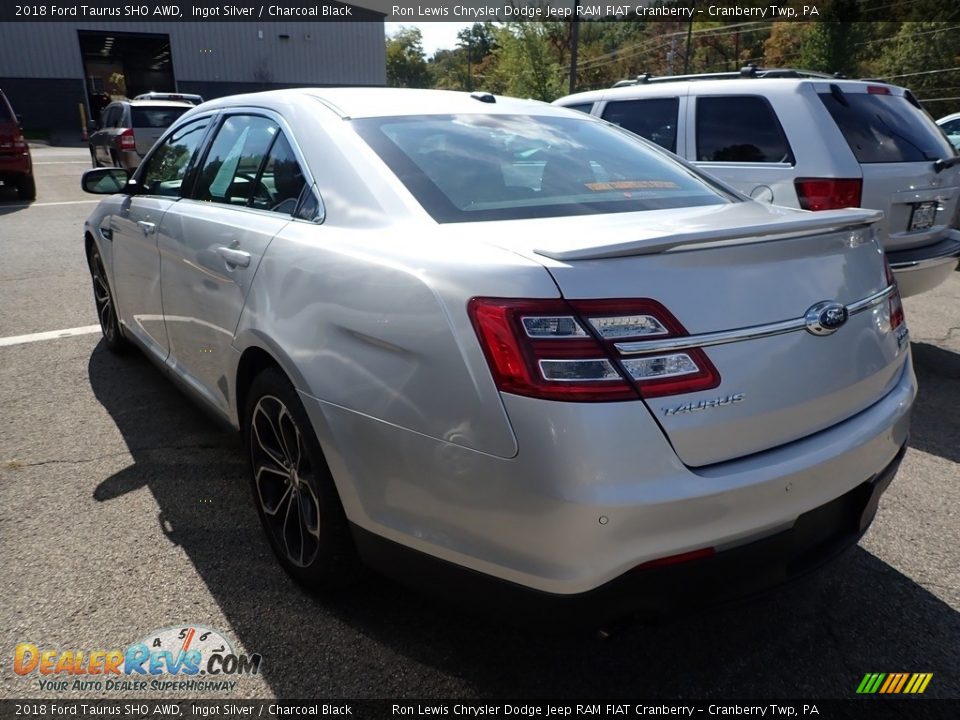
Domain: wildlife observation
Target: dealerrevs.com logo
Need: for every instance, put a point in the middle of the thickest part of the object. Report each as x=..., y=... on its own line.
x=190, y=658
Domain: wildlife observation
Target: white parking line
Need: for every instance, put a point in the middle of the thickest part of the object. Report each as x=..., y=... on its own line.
x=49, y=335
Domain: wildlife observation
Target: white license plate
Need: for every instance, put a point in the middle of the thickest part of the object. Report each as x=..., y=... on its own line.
x=923, y=215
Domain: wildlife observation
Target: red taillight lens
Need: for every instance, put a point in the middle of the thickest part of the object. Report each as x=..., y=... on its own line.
x=19, y=142
x=894, y=304
x=678, y=559
x=559, y=350
x=127, y=140
x=878, y=90
x=828, y=193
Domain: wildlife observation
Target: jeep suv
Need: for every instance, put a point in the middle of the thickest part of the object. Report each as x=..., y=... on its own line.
x=16, y=168
x=812, y=141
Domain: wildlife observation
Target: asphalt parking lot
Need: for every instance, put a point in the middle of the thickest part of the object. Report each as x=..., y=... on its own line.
x=125, y=509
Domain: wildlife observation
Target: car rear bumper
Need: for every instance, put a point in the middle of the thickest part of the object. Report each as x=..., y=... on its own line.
x=593, y=493
x=815, y=538
x=920, y=269
x=15, y=165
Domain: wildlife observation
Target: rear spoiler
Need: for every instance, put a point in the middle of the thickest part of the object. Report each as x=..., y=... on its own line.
x=803, y=223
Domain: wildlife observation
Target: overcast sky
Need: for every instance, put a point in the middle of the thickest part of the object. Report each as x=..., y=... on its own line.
x=436, y=35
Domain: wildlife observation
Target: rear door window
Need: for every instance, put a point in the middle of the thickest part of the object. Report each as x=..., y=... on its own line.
x=885, y=128
x=655, y=119
x=740, y=128
x=231, y=170
x=282, y=178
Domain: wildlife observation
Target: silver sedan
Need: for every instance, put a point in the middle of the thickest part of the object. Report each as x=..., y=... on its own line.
x=509, y=341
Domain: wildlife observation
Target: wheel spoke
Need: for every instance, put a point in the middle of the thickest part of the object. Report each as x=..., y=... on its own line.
x=278, y=479
x=276, y=454
x=289, y=437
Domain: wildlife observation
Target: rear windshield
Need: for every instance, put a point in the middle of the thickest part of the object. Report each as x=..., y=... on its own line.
x=885, y=128
x=465, y=168
x=155, y=117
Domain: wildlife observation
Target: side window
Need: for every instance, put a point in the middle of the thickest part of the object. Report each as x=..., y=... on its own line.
x=231, y=171
x=655, y=119
x=111, y=116
x=282, y=179
x=165, y=169
x=740, y=129
x=582, y=107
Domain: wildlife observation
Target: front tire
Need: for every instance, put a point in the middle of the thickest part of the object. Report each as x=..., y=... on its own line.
x=293, y=490
x=106, y=308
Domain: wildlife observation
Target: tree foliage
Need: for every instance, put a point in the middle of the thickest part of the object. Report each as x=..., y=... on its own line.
x=406, y=61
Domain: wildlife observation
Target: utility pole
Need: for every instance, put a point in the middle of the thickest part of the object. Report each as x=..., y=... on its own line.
x=574, y=42
x=686, y=58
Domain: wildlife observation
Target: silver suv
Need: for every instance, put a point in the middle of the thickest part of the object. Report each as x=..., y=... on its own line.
x=812, y=141
x=129, y=128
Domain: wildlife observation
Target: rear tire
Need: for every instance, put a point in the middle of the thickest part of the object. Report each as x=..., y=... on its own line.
x=106, y=308
x=27, y=188
x=293, y=489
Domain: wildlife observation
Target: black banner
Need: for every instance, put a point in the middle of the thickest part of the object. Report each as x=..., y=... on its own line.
x=264, y=11
x=876, y=708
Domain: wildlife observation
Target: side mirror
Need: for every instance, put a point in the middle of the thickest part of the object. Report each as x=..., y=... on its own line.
x=105, y=181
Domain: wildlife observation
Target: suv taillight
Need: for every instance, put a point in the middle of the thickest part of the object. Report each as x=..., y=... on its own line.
x=565, y=350
x=828, y=193
x=127, y=140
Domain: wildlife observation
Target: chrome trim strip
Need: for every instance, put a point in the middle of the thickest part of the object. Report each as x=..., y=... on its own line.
x=753, y=332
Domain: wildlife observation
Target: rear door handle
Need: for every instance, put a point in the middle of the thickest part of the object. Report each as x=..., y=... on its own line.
x=146, y=227
x=237, y=258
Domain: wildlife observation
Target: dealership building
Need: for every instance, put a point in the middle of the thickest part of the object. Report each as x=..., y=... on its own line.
x=55, y=74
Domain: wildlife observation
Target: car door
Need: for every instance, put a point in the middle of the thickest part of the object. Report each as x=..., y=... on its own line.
x=247, y=190
x=136, y=257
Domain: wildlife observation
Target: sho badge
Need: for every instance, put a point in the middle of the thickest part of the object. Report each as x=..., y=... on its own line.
x=703, y=405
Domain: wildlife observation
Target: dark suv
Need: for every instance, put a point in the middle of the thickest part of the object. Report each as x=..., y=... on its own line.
x=16, y=168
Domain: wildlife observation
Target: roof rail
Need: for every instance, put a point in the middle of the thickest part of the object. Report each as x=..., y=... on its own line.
x=747, y=71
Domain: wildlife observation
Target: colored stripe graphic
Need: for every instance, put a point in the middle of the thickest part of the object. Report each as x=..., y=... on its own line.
x=894, y=683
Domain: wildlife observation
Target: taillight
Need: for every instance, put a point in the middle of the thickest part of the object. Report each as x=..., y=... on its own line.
x=894, y=304
x=127, y=140
x=564, y=350
x=828, y=193
x=19, y=143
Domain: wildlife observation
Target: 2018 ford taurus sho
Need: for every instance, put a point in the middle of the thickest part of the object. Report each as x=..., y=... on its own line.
x=511, y=341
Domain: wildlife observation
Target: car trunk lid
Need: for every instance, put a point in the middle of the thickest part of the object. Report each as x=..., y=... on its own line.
x=747, y=270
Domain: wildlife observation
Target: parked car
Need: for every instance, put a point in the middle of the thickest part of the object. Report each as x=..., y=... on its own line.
x=951, y=126
x=182, y=97
x=129, y=128
x=16, y=167
x=811, y=141
x=492, y=337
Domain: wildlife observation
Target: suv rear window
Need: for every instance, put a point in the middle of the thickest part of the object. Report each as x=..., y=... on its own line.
x=470, y=167
x=155, y=117
x=655, y=119
x=881, y=128
x=739, y=128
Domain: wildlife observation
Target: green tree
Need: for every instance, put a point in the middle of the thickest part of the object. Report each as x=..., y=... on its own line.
x=832, y=44
x=406, y=62
x=925, y=57
x=524, y=63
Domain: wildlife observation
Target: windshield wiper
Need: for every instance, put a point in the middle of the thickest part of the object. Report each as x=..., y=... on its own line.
x=946, y=163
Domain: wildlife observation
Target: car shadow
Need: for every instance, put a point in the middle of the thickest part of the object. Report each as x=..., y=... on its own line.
x=935, y=428
x=10, y=202
x=815, y=640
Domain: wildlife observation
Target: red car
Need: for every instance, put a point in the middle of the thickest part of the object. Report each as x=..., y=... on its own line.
x=16, y=169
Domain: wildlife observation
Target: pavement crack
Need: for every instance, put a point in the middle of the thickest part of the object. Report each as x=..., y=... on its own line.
x=130, y=452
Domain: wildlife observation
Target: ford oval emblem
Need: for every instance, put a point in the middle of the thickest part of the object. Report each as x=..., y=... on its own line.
x=825, y=318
